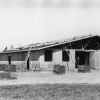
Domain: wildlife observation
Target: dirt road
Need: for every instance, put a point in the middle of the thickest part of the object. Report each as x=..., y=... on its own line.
x=49, y=77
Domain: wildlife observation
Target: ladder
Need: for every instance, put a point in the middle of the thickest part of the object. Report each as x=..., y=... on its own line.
x=27, y=56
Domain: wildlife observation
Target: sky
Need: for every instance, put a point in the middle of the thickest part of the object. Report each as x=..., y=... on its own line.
x=25, y=22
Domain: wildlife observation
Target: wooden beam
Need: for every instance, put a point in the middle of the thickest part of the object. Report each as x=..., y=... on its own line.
x=85, y=50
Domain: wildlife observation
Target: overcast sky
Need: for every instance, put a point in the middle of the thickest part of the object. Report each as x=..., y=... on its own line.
x=31, y=21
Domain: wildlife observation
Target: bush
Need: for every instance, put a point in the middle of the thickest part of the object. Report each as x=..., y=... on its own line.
x=59, y=69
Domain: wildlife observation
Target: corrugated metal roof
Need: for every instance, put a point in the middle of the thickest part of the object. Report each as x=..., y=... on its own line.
x=39, y=46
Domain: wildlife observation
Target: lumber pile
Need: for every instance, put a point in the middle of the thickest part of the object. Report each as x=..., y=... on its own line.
x=5, y=67
x=12, y=68
x=83, y=68
x=59, y=69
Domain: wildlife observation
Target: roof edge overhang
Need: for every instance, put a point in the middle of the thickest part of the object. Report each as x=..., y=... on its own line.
x=42, y=49
x=64, y=42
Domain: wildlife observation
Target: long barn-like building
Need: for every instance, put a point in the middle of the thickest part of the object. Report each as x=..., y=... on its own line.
x=72, y=53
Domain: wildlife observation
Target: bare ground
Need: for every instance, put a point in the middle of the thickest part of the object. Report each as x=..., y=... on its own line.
x=49, y=86
x=92, y=77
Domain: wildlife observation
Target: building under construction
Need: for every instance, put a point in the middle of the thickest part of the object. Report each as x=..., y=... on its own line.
x=72, y=53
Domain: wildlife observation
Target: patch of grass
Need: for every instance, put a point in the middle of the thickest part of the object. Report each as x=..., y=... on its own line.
x=7, y=75
x=51, y=92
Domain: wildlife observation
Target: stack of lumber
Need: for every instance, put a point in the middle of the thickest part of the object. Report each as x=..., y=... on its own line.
x=3, y=67
x=12, y=68
x=59, y=69
x=83, y=68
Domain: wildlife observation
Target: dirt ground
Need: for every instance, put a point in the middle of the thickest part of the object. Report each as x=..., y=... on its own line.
x=92, y=77
x=28, y=86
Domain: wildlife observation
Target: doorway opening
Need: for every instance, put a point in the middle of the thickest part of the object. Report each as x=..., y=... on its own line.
x=28, y=64
x=9, y=60
x=82, y=58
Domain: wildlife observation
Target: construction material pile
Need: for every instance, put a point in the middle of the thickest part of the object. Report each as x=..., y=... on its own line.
x=12, y=68
x=5, y=67
x=59, y=69
x=83, y=68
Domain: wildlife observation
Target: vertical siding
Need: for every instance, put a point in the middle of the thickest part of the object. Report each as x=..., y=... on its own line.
x=57, y=56
x=71, y=63
x=37, y=59
x=19, y=59
x=19, y=56
x=16, y=58
x=57, y=59
x=3, y=57
x=43, y=64
x=34, y=55
x=97, y=59
x=20, y=65
x=92, y=60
